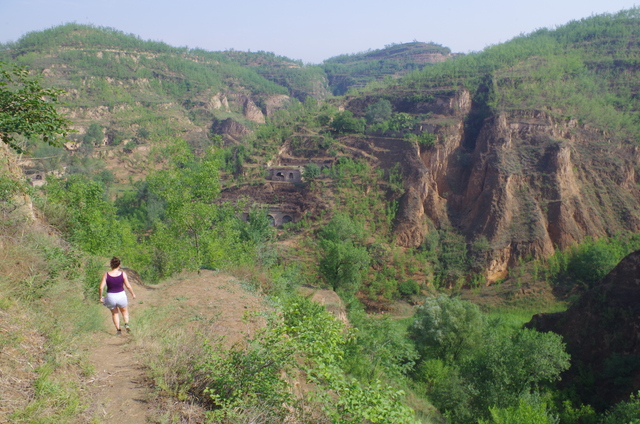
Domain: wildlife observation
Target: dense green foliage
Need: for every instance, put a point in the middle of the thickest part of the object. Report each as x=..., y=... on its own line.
x=27, y=109
x=470, y=365
x=625, y=412
x=528, y=411
x=89, y=218
x=589, y=261
x=448, y=328
x=323, y=341
x=345, y=259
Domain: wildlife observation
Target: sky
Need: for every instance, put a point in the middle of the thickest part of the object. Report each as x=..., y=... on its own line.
x=311, y=31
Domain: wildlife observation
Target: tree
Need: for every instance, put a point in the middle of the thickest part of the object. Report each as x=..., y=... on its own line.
x=344, y=260
x=311, y=171
x=27, y=109
x=472, y=366
x=378, y=112
x=343, y=263
x=447, y=328
x=345, y=122
x=378, y=348
x=624, y=412
x=94, y=134
x=342, y=228
x=401, y=121
x=188, y=190
x=512, y=365
x=88, y=217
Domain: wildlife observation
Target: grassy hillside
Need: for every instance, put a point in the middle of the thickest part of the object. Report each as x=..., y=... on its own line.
x=145, y=91
x=356, y=70
x=585, y=69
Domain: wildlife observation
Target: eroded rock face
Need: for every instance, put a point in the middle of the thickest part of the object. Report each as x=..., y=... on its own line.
x=230, y=127
x=602, y=333
x=252, y=112
x=527, y=182
x=218, y=102
x=275, y=102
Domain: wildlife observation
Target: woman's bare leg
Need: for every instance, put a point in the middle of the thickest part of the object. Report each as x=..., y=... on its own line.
x=125, y=314
x=115, y=316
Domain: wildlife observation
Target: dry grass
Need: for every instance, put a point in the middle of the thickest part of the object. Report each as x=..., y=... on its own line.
x=171, y=334
x=43, y=325
x=21, y=353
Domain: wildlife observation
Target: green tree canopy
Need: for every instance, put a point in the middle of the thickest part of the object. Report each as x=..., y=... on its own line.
x=345, y=122
x=188, y=189
x=27, y=109
x=447, y=328
x=88, y=217
x=378, y=112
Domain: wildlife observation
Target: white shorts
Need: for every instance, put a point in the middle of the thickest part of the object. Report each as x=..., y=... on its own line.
x=116, y=300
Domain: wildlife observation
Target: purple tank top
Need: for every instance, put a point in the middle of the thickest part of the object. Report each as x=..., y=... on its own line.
x=115, y=284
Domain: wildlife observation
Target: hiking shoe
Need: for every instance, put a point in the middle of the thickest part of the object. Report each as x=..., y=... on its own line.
x=119, y=332
x=126, y=327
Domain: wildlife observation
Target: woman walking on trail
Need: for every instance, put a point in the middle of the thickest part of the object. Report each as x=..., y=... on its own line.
x=116, y=300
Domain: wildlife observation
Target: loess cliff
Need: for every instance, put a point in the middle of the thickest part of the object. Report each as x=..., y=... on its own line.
x=525, y=180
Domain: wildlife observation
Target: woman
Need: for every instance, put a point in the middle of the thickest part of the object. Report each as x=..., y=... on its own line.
x=116, y=280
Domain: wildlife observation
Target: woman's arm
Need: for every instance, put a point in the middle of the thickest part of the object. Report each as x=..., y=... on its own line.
x=127, y=285
x=102, y=284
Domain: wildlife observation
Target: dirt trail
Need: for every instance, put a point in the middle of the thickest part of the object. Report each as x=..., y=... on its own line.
x=119, y=386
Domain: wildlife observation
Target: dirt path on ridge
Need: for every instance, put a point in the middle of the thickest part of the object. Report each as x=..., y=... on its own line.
x=120, y=389
x=119, y=386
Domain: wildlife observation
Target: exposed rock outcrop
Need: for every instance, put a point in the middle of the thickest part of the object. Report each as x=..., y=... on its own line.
x=273, y=103
x=219, y=102
x=252, y=112
x=602, y=333
x=230, y=127
x=526, y=181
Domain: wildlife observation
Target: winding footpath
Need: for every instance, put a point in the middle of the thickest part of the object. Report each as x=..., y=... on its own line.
x=119, y=386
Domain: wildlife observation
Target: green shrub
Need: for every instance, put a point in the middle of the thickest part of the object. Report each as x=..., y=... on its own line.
x=528, y=411
x=311, y=171
x=624, y=412
x=409, y=287
x=343, y=263
x=93, y=135
x=246, y=376
x=345, y=122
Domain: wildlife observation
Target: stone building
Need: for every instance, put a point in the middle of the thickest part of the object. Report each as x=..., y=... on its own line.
x=287, y=174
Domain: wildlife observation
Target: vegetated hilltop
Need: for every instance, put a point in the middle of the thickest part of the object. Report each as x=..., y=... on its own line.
x=601, y=333
x=135, y=91
x=356, y=70
x=524, y=147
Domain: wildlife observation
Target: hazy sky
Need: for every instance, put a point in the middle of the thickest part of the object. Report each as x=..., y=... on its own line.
x=308, y=30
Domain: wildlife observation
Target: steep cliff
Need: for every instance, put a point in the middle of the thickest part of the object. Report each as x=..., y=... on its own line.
x=527, y=181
